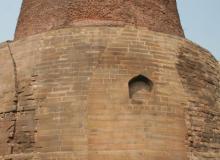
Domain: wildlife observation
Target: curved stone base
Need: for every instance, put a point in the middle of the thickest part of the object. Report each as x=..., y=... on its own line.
x=108, y=93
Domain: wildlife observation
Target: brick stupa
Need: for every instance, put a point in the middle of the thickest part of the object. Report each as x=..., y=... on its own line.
x=106, y=80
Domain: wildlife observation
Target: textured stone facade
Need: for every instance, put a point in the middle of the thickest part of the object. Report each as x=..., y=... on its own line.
x=110, y=93
x=121, y=83
x=43, y=15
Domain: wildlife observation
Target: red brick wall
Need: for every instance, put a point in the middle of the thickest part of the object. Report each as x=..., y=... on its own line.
x=42, y=15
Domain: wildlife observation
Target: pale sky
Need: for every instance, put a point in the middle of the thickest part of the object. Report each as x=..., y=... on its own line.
x=200, y=20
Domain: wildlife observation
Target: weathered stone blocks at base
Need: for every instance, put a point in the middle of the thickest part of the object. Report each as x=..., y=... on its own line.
x=108, y=93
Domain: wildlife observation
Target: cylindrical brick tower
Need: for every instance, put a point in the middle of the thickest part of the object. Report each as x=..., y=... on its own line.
x=43, y=15
x=106, y=80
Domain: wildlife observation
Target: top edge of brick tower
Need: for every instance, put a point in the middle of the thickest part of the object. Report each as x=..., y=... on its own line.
x=39, y=16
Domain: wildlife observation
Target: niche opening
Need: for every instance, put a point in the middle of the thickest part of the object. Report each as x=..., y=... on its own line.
x=139, y=86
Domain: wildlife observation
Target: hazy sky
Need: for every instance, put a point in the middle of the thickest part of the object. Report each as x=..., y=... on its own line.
x=200, y=20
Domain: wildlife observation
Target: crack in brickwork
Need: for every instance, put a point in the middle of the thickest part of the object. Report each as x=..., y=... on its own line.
x=21, y=136
x=13, y=127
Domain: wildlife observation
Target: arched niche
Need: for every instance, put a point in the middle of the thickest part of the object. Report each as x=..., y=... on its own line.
x=139, y=87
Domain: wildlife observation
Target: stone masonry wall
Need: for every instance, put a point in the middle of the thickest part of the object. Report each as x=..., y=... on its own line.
x=8, y=99
x=39, y=16
x=200, y=75
x=73, y=97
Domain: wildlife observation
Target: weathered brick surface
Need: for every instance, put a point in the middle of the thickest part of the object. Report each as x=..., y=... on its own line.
x=7, y=96
x=200, y=76
x=38, y=16
x=73, y=97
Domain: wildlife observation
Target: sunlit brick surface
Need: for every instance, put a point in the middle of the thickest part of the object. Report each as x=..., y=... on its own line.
x=39, y=16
